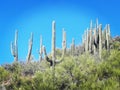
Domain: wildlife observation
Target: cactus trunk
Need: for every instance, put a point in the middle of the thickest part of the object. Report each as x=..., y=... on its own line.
x=53, y=50
x=53, y=42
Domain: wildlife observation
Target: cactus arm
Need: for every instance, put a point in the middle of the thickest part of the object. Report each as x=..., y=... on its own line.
x=45, y=53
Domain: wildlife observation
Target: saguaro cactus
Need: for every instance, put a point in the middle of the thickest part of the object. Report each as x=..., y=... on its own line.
x=41, y=49
x=90, y=37
x=64, y=45
x=108, y=37
x=53, y=42
x=30, y=48
x=14, y=47
x=53, y=61
x=100, y=40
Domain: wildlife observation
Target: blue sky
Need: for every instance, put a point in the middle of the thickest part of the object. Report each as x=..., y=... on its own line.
x=36, y=16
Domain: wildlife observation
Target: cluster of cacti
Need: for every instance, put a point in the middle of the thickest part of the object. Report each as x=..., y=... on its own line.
x=93, y=40
x=30, y=48
x=14, y=47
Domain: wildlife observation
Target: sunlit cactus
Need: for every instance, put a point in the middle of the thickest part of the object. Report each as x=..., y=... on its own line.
x=53, y=43
x=53, y=61
x=30, y=48
x=14, y=47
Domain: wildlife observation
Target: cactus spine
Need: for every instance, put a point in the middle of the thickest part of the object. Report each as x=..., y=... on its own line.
x=14, y=47
x=30, y=48
x=100, y=40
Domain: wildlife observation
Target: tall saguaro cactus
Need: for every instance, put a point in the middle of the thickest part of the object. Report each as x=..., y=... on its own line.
x=53, y=50
x=14, y=47
x=30, y=48
x=41, y=49
x=90, y=35
x=53, y=61
x=64, y=45
x=100, y=40
x=108, y=36
x=53, y=42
